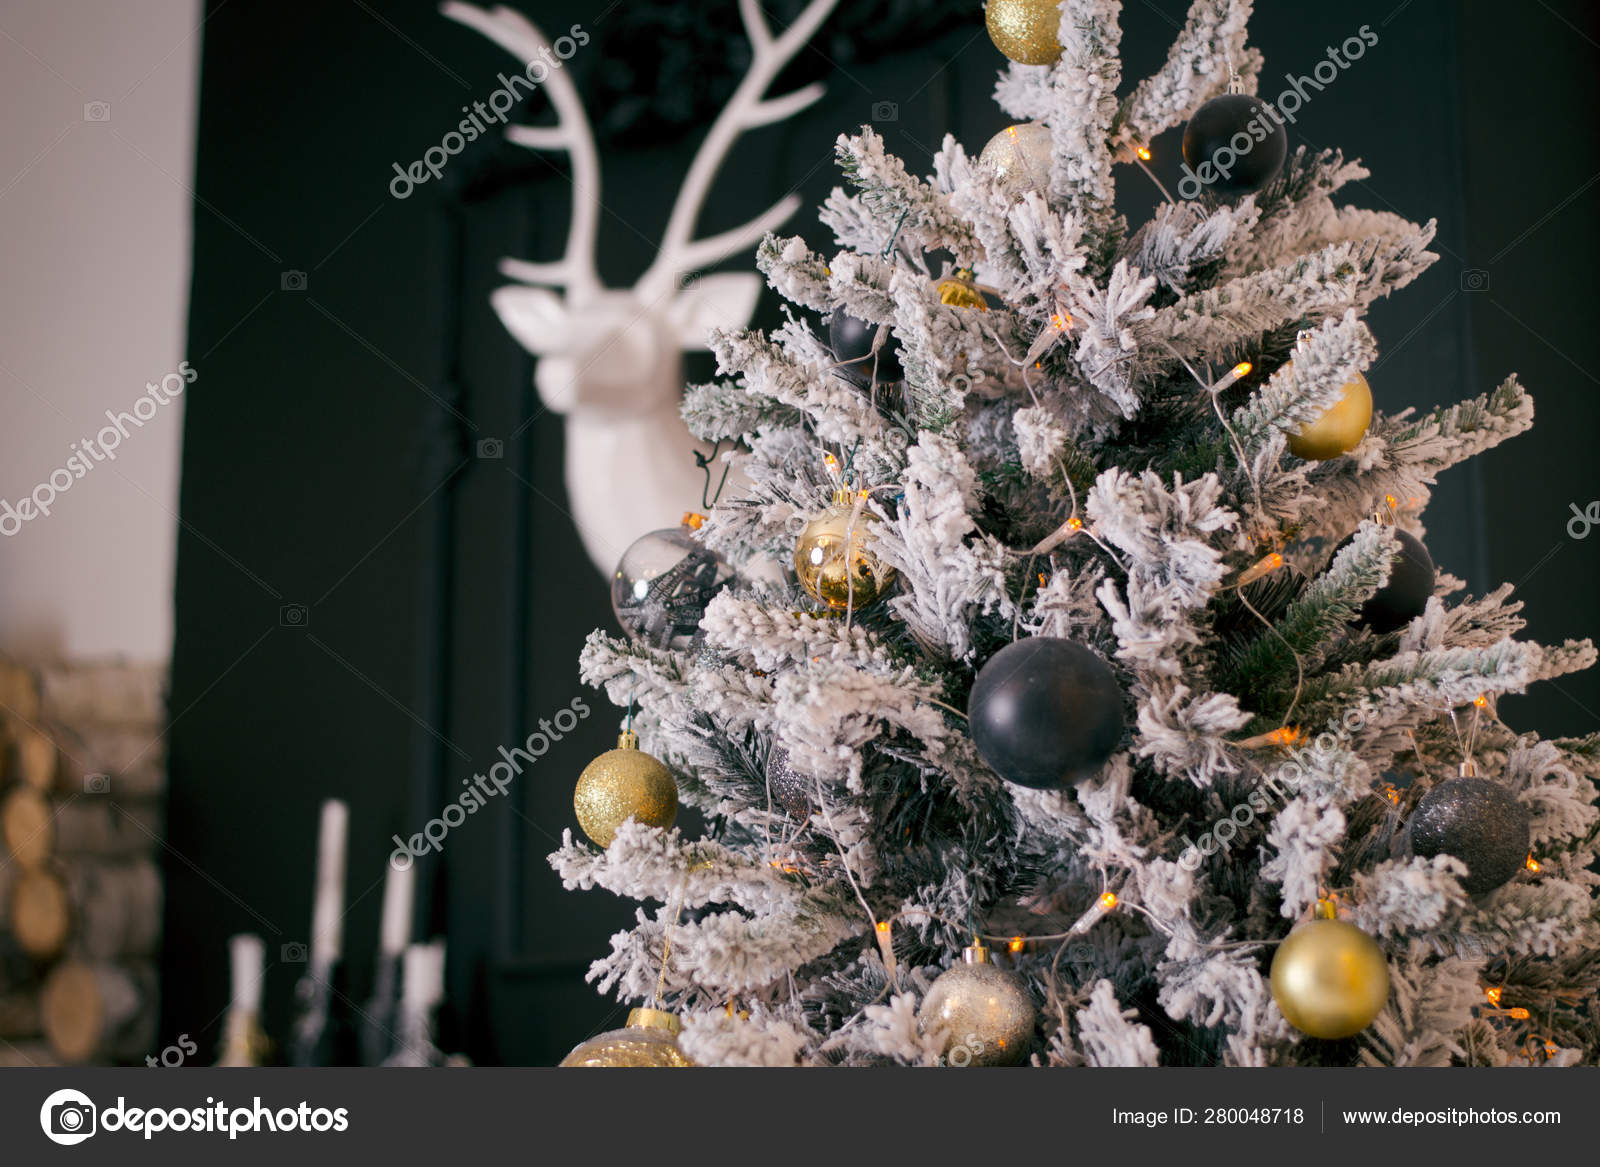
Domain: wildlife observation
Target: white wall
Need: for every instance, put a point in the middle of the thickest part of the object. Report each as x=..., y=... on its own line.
x=94, y=281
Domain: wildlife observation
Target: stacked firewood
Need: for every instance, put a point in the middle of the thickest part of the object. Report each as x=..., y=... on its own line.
x=82, y=774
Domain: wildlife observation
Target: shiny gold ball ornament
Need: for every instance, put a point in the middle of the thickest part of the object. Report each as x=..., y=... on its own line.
x=1025, y=30
x=621, y=784
x=1341, y=429
x=1018, y=157
x=650, y=1039
x=1330, y=979
x=833, y=562
x=983, y=1013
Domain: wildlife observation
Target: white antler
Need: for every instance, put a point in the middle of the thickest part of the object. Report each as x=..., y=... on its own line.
x=745, y=110
x=517, y=35
x=611, y=359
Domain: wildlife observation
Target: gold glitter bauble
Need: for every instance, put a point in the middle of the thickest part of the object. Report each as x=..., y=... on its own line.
x=1019, y=158
x=1338, y=431
x=833, y=563
x=650, y=1039
x=1025, y=30
x=621, y=784
x=983, y=1013
x=1330, y=979
x=958, y=291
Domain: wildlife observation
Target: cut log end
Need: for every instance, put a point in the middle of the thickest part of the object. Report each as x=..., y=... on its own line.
x=41, y=914
x=26, y=826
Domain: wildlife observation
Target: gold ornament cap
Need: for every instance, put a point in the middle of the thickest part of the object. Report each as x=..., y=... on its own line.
x=646, y=1018
x=627, y=740
x=976, y=953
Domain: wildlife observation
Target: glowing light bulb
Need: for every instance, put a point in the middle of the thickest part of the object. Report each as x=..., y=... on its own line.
x=1108, y=900
x=1144, y=153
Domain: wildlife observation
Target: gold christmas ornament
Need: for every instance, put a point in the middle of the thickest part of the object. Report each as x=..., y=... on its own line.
x=959, y=291
x=1019, y=158
x=1330, y=979
x=1341, y=429
x=832, y=561
x=984, y=1013
x=1025, y=30
x=621, y=784
x=650, y=1039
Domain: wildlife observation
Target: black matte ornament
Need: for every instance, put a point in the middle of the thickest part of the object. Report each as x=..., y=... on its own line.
x=1233, y=145
x=851, y=340
x=1477, y=821
x=1045, y=712
x=1404, y=597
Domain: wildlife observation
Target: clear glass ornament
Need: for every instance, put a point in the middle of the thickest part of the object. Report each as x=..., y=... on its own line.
x=662, y=586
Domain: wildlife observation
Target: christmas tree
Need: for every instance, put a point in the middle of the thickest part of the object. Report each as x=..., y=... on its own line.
x=1114, y=712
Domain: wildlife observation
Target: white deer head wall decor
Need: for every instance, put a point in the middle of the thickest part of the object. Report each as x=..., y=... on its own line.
x=610, y=359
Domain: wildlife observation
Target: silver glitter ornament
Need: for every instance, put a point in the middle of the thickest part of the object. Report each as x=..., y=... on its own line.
x=790, y=790
x=1478, y=822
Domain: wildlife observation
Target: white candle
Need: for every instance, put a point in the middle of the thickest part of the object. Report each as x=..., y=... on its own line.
x=424, y=976
x=246, y=953
x=398, y=889
x=327, y=915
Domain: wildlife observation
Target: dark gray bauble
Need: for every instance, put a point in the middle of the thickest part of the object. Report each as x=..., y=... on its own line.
x=1237, y=134
x=1478, y=822
x=1045, y=713
x=1405, y=596
x=851, y=340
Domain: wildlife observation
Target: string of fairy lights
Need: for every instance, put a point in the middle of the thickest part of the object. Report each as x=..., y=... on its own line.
x=835, y=564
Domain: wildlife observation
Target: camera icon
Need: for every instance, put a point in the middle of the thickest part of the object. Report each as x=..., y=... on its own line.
x=292, y=953
x=491, y=448
x=885, y=111
x=292, y=281
x=687, y=280
x=1474, y=279
x=293, y=616
x=97, y=783
x=97, y=111
x=68, y=1117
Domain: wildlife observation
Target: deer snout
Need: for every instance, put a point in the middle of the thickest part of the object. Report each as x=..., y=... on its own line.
x=623, y=363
